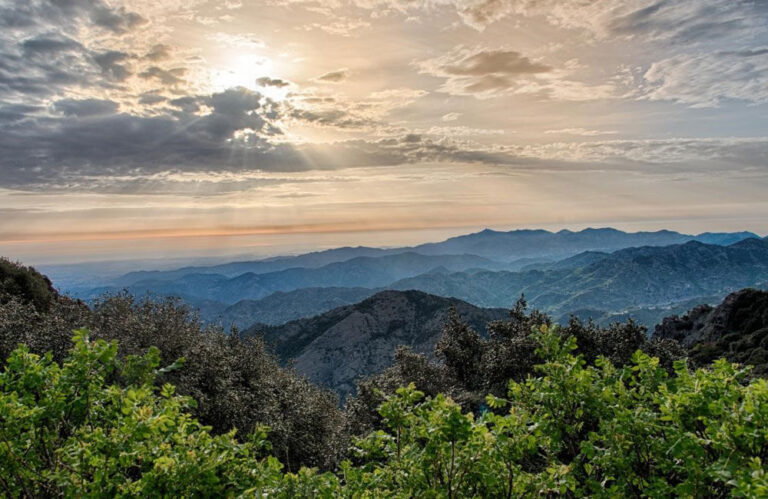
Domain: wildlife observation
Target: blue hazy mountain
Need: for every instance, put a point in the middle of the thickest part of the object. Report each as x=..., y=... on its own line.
x=561, y=271
x=365, y=271
x=517, y=248
x=630, y=278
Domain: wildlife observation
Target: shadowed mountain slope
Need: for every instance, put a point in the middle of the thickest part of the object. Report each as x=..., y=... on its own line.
x=337, y=347
x=736, y=329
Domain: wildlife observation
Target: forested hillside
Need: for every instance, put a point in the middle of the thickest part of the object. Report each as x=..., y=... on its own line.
x=516, y=407
x=736, y=329
x=630, y=278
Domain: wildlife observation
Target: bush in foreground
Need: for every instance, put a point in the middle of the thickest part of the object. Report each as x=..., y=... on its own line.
x=98, y=426
x=235, y=382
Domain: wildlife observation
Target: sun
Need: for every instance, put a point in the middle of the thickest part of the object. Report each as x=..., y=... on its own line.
x=243, y=71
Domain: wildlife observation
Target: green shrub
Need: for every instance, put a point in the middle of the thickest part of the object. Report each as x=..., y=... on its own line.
x=578, y=429
x=236, y=383
x=66, y=430
x=99, y=426
x=25, y=284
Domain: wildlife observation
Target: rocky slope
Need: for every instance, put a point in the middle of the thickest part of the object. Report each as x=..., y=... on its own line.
x=737, y=329
x=336, y=348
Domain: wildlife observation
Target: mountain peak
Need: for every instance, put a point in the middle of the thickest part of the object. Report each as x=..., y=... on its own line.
x=751, y=242
x=601, y=230
x=337, y=347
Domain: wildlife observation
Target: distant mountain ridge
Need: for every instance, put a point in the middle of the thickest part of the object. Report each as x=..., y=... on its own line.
x=635, y=277
x=364, y=271
x=547, y=266
x=275, y=264
x=542, y=243
x=495, y=245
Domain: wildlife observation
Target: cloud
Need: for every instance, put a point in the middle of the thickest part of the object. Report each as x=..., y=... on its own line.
x=494, y=62
x=584, y=132
x=481, y=71
x=334, y=76
x=694, y=154
x=266, y=81
x=117, y=20
x=50, y=44
x=484, y=73
x=150, y=99
x=480, y=14
x=109, y=62
x=332, y=117
x=461, y=131
x=709, y=79
x=678, y=21
x=69, y=14
x=366, y=114
x=158, y=52
x=168, y=77
x=51, y=48
x=91, y=138
x=85, y=107
x=341, y=27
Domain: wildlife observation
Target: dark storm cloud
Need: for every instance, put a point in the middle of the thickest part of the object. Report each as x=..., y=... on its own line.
x=11, y=113
x=43, y=65
x=86, y=140
x=47, y=45
x=116, y=20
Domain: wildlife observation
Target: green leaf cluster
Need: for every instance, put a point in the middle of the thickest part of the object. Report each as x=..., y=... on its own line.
x=99, y=425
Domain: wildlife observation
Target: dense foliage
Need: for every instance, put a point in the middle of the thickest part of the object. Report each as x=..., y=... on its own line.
x=618, y=415
x=236, y=383
x=98, y=425
x=26, y=284
x=470, y=366
x=736, y=329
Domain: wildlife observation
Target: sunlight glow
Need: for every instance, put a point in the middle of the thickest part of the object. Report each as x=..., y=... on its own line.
x=242, y=71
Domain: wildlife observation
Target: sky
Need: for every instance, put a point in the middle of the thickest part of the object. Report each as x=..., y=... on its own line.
x=189, y=127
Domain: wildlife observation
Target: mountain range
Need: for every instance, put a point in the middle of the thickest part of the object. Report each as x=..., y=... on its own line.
x=348, y=343
x=600, y=273
x=635, y=277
